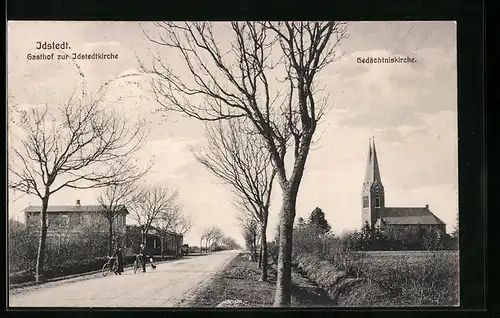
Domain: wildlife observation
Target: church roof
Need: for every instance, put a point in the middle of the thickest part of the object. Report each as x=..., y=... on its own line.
x=410, y=216
x=372, y=173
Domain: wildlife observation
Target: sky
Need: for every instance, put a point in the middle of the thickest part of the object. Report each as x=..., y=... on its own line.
x=410, y=110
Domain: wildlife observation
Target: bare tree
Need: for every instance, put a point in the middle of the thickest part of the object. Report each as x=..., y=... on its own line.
x=114, y=201
x=203, y=236
x=216, y=236
x=150, y=203
x=165, y=222
x=251, y=233
x=207, y=236
x=233, y=78
x=240, y=159
x=229, y=243
x=175, y=221
x=211, y=235
x=182, y=225
x=80, y=145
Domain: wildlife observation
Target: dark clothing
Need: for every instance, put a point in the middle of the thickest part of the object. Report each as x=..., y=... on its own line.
x=119, y=259
x=144, y=254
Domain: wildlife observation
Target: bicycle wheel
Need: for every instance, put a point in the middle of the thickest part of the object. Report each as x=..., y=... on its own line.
x=105, y=269
x=136, y=266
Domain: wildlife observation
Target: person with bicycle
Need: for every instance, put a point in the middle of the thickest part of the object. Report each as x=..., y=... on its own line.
x=118, y=255
x=143, y=252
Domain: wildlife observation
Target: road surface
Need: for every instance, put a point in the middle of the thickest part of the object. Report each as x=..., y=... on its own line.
x=172, y=284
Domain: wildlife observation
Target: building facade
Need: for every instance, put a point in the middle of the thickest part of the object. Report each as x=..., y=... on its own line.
x=66, y=221
x=89, y=223
x=394, y=221
x=164, y=243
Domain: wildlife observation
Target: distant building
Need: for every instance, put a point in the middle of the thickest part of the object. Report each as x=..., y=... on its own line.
x=172, y=242
x=392, y=220
x=68, y=220
x=74, y=220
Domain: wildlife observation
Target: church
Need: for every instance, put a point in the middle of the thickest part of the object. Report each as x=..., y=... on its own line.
x=393, y=221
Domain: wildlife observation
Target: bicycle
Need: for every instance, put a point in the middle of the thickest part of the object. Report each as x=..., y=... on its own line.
x=108, y=268
x=138, y=263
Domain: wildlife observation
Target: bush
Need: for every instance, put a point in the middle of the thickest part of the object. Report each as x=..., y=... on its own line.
x=72, y=267
x=23, y=248
x=430, y=279
x=273, y=252
x=90, y=244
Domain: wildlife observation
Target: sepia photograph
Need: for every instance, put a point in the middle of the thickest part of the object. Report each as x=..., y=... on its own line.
x=241, y=164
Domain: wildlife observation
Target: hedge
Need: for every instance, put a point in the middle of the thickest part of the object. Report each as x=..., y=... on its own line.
x=67, y=268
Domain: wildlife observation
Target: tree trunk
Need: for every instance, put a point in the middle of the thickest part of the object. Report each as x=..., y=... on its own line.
x=43, y=237
x=176, y=240
x=110, y=241
x=284, y=278
x=162, y=237
x=254, y=243
x=263, y=240
x=201, y=246
x=260, y=254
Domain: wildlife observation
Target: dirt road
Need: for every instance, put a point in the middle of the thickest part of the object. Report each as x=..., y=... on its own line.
x=172, y=284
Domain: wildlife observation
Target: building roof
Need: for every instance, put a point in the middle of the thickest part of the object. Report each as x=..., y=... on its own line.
x=69, y=208
x=372, y=173
x=153, y=230
x=410, y=216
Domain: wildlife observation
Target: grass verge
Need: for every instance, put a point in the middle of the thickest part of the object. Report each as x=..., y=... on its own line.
x=238, y=285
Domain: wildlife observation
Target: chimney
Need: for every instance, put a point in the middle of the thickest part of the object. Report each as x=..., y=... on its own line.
x=77, y=202
x=426, y=206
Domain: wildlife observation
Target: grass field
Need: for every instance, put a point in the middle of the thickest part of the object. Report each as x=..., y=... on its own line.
x=413, y=278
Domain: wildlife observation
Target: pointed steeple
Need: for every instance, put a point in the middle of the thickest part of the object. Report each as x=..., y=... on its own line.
x=369, y=161
x=376, y=169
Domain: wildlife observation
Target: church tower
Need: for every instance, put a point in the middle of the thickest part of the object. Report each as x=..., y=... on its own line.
x=373, y=196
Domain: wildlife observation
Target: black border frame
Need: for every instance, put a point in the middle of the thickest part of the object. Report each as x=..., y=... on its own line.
x=471, y=108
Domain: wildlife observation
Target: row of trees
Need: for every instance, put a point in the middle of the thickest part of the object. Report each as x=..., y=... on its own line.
x=149, y=205
x=264, y=82
x=210, y=238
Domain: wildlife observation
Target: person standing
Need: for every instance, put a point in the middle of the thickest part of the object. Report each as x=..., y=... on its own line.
x=118, y=254
x=144, y=254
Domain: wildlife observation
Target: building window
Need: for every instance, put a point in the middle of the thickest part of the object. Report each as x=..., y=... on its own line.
x=64, y=221
x=365, y=202
x=77, y=219
x=86, y=219
x=121, y=220
x=377, y=202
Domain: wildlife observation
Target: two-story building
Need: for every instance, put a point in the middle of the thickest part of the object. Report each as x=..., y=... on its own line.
x=73, y=220
x=66, y=221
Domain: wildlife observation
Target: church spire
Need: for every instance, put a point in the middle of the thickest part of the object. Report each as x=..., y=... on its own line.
x=368, y=172
x=376, y=169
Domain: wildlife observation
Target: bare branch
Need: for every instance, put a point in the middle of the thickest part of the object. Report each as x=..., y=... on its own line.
x=151, y=204
x=79, y=146
x=240, y=160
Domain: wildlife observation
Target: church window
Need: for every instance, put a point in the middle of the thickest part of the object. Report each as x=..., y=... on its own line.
x=377, y=202
x=365, y=202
